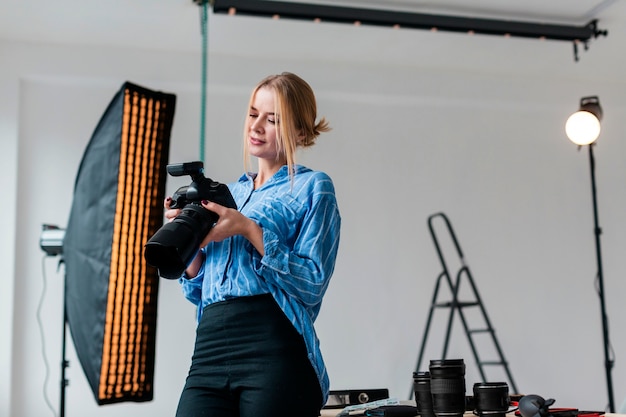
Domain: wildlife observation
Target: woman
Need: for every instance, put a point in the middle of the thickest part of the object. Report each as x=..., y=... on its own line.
x=259, y=279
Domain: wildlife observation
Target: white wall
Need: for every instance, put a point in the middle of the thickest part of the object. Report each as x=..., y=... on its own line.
x=8, y=160
x=485, y=147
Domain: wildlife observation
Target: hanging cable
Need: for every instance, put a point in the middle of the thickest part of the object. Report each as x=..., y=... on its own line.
x=43, y=337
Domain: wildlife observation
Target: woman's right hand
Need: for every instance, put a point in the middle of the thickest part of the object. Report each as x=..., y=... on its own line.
x=170, y=213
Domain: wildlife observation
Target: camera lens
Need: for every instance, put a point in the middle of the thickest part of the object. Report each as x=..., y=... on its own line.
x=491, y=398
x=447, y=386
x=173, y=246
x=423, y=397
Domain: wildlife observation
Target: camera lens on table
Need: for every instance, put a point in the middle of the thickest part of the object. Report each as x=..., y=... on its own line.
x=423, y=397
x=447, y=386
x=491, y=399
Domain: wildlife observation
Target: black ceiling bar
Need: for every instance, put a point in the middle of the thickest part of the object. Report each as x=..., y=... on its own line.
x=366, y=16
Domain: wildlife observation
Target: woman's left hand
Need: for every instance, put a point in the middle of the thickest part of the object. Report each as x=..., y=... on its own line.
x=230, y=223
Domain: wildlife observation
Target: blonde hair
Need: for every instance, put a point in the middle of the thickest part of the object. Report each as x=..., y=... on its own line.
x=296, y=114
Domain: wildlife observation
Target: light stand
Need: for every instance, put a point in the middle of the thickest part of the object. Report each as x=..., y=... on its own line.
x=64, y=362
x=583, y=128
x=51, y=242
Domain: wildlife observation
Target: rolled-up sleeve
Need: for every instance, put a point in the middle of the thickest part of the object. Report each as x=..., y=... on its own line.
x=302, y=266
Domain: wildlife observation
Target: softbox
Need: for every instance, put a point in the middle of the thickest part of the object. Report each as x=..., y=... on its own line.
x=110, y=291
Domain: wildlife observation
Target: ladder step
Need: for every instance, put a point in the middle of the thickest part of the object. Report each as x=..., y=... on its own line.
x=468, y=303
x=481, y=330
x=499, y=363
x=448, y=304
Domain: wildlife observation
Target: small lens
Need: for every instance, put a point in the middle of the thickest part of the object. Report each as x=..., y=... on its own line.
x=491, y=398
x=423, y=397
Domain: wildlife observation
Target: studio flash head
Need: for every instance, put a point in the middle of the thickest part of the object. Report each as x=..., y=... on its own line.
x=51, y=239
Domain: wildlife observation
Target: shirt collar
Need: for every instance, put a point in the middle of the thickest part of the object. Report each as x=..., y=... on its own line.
x=280, y=174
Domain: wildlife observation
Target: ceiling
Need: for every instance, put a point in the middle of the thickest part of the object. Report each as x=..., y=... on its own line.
x=174, y=25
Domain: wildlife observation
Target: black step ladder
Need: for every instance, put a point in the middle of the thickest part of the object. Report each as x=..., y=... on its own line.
x=455, y=305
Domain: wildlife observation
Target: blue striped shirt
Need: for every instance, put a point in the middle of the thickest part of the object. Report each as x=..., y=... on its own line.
x=300, y=222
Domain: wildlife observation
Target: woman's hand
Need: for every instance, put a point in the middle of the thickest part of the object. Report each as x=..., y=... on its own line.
x=170, y=214
x=230, y=223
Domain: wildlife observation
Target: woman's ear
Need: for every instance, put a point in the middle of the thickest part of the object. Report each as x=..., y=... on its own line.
x=301, y=137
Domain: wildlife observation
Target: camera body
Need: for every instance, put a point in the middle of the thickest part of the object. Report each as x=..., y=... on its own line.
x=175, y=244
x=201, y=188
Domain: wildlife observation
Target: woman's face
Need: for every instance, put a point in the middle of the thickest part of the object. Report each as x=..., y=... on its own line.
x=262, y=124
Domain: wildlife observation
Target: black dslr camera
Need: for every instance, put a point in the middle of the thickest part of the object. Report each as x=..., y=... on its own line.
x=176, y=243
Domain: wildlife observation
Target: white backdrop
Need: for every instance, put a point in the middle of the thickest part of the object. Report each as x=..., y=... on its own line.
x=485, y=147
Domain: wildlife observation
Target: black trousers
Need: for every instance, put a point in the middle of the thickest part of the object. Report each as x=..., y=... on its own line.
x=249, y=361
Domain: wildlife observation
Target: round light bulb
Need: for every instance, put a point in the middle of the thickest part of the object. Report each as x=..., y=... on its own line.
x=582, y=128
